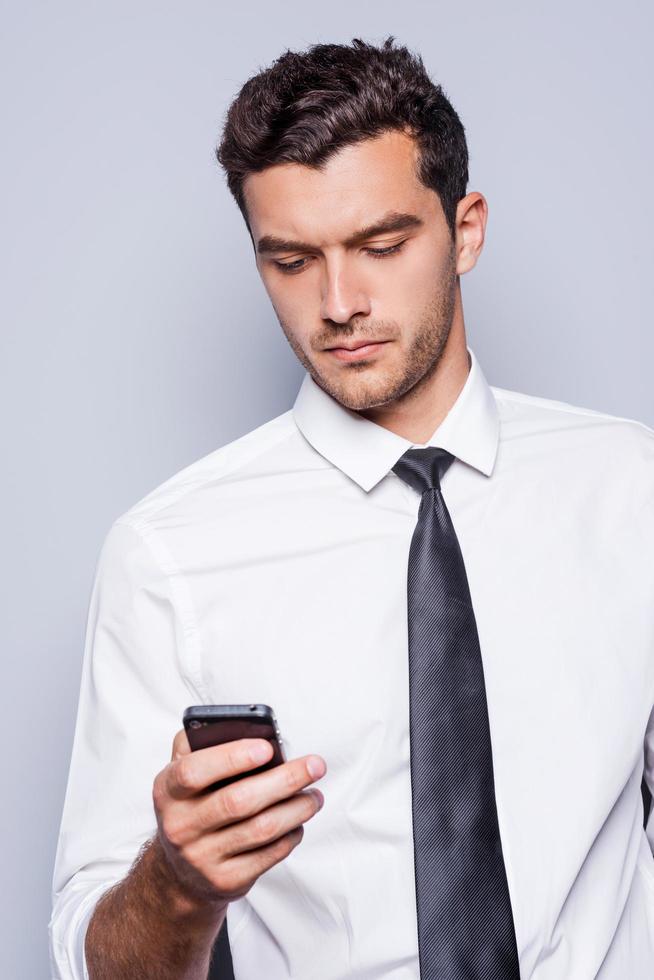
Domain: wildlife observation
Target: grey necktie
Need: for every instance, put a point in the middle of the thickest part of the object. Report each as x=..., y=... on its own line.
x=465, y=922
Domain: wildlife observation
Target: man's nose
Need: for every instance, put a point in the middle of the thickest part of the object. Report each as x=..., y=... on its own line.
x=343, y=294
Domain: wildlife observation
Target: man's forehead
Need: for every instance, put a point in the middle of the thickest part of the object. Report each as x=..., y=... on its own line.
x=354, y=188
x=391, y=154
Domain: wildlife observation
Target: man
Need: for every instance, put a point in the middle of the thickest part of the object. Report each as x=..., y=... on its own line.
x=355, y=563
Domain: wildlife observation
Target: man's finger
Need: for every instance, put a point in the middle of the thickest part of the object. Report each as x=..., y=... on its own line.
x=249, y=796
x=191, y=772
x=180, y=745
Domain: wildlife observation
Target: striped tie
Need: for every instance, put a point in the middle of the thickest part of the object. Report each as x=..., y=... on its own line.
x=465, y=923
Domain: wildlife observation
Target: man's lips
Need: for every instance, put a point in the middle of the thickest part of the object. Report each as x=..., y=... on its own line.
x=354, y=345
x=357, y=351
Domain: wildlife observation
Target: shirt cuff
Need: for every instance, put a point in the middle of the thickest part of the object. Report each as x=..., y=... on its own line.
x=67, y=929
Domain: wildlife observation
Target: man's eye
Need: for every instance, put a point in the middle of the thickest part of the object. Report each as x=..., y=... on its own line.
x=290, y=266
x=381, y=252
x=376, y=253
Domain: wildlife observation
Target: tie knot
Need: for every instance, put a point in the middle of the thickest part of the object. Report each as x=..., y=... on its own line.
x=423, y=469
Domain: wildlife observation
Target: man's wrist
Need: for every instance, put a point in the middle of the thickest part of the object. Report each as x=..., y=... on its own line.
x=182, y=903
x=149, y=921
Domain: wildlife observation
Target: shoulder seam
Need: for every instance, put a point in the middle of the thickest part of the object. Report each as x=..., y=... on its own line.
x=556, y=405
x=144, y=522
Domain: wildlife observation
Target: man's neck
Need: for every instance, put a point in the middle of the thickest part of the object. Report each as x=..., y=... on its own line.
x=417, y=415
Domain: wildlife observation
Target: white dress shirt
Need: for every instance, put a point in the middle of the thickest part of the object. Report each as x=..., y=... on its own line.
x=274, y=570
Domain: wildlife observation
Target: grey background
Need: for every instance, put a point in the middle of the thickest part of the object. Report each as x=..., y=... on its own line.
x=137, y=336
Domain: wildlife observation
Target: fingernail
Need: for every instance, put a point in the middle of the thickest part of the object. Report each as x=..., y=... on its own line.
x=316, y=766
x=261, y=752
x=319, y=797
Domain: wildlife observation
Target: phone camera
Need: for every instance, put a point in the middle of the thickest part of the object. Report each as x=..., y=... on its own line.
x=195, y=724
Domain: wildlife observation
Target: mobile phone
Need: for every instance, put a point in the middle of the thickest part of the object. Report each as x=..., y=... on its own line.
x=215, y=724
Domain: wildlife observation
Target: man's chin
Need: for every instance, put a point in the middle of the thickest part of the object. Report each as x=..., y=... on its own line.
x=358, y=393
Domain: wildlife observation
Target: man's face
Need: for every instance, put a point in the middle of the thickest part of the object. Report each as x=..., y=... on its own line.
x=329, y=291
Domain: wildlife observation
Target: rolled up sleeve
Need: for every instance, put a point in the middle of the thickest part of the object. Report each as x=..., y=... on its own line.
x=132, y=695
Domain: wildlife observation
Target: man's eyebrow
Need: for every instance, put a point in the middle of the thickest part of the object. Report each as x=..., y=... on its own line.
x=392, y=221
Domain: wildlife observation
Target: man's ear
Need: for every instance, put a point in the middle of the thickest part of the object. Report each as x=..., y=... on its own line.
x=471, y=218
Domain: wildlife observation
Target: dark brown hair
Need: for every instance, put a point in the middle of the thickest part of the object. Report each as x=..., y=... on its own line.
x=309, y=104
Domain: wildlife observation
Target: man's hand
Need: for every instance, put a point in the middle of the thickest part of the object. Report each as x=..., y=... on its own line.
x=162, y=919
x=217, y=844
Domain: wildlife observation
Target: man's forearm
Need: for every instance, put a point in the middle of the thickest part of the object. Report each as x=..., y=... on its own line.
x=147, y=928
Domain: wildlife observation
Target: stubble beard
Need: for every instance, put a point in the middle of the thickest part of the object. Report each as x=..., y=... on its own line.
x=358, y=388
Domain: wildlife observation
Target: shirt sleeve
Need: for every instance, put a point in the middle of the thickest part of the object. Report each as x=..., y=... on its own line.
x=132, y=696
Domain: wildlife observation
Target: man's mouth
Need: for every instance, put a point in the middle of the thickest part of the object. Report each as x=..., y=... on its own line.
x=356, y=350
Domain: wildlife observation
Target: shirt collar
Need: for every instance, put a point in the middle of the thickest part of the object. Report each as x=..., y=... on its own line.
x=366, y=451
